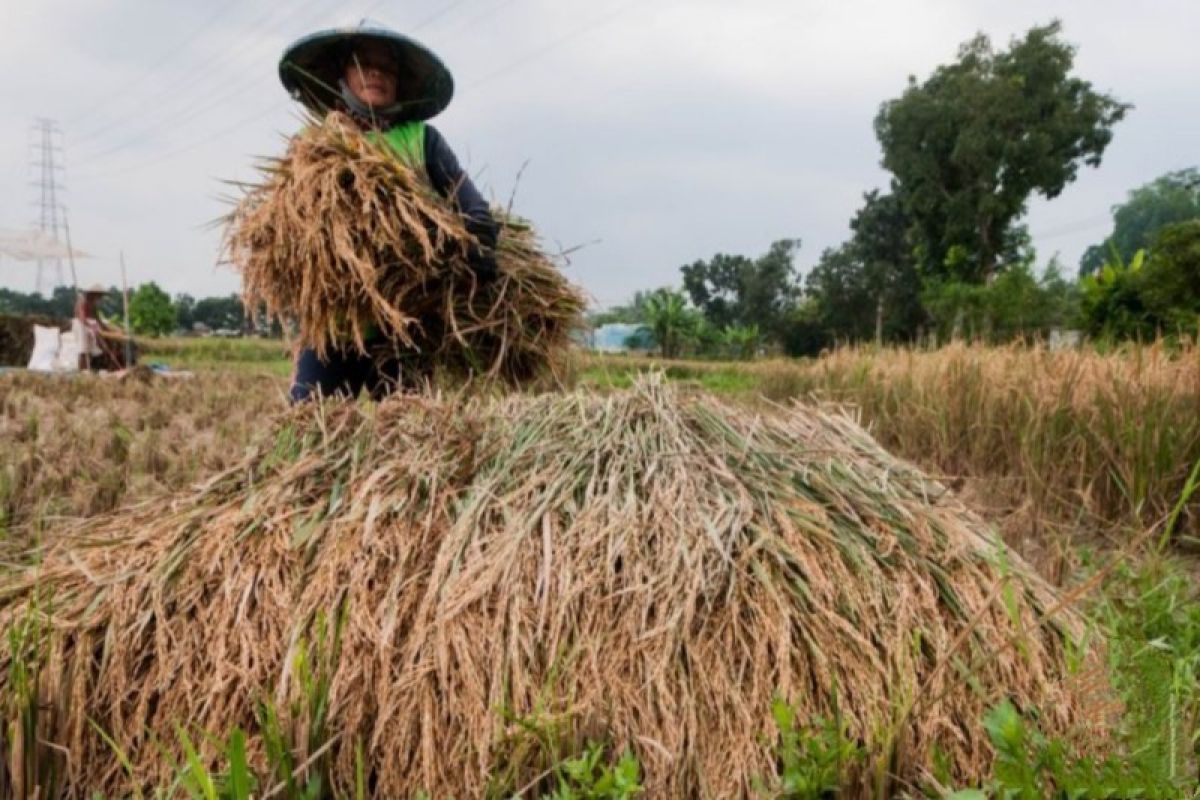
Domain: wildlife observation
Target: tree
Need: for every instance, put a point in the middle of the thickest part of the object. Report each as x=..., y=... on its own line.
x=881, y=242
x=1155, y=292
x=185, y=304
x=1014, y=304
x=1018, y=303
x=1170, y=198
x=736, y=290
x=631, y=314
x=1062, y=297
x=669, y=320
x=1171, y=285
x=804, y=335
x=220, y=313
x=772, y=288
x=1111, y=302
x=112, y=306
x=706, y=338
x=869, y=286
x=741, y=341
x=716, y=287
x=151, y=311
x=969, y=146
x=62, y=302
x=843, y=302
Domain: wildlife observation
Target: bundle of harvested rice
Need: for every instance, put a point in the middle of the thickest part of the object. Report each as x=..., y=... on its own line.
x=16, y=336
x=345, y=240
x=644, y=569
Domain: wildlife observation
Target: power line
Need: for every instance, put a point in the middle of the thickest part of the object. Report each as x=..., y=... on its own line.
x=437, y=14
x=191, y=104
x=149, y=133
x=239, y=125
x=178, y=98
x=555, y=44
x=475, y=20
x=197, y=106
x=166, y=56
x=423, y=23
x=174, y=95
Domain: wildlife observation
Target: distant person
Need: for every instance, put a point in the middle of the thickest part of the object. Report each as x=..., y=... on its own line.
x=102, y=346
x=390, y=84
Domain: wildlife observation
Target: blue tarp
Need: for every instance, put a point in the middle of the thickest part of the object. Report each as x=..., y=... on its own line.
x=612, y=338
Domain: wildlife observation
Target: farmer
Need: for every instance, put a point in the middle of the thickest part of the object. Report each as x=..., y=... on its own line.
x=389, y=84
x=101, y=345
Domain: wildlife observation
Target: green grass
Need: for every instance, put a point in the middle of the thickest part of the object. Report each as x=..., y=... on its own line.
x=1148, y=613
x=249, y=354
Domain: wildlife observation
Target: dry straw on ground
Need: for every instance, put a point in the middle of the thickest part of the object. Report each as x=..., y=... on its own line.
x=77, y=445
x=647, y=568
x=1066, y=440
x=343, y=239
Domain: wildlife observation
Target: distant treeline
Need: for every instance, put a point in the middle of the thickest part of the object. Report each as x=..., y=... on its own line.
x=943, y=250
x=151, y=310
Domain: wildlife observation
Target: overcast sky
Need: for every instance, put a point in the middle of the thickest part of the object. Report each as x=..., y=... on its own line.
x=656, y=132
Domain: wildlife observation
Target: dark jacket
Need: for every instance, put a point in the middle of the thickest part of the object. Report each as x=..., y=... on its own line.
x=452, y=182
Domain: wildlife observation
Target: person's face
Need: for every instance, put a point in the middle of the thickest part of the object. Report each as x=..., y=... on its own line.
x=371, y=74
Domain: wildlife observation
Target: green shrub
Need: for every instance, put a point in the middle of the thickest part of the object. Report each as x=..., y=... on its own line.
x=814, y=759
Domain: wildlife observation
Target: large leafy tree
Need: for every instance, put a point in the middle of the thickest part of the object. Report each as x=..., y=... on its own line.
x=968, y=146
x=881, y=243
x=185, y=304
x=220, y=312
x=843, y=303
x=740, y=291
x=716, y=287
x=869, y=286
x=151, y=311
x=1169, y=199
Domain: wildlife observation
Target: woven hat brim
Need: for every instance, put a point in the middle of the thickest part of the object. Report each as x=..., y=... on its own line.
x=312, y=67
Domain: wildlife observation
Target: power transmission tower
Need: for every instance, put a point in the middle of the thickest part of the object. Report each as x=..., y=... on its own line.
x=52, y=214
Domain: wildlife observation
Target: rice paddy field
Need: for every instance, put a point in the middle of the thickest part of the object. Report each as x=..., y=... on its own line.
x=968, y=573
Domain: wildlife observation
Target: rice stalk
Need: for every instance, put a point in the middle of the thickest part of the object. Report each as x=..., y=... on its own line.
x=648, y=569
x=354, y=248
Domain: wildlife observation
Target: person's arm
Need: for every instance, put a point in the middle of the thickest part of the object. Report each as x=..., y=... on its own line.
x=452, y=182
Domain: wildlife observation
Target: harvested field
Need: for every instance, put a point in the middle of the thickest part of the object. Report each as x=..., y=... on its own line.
x=649, y=568
x=1059, y=440
x=80, y=445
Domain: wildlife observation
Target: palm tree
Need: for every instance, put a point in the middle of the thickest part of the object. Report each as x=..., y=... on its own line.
x=669, y=319
x=742, y=340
